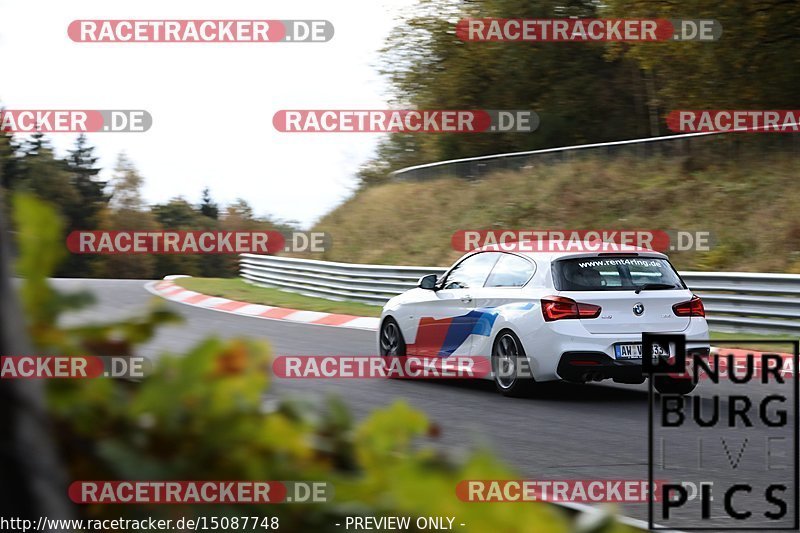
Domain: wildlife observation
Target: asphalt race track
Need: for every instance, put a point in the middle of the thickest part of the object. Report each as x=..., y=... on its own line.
x=568, y=431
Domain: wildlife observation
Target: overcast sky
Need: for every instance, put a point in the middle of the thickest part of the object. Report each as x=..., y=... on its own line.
x=212, y=104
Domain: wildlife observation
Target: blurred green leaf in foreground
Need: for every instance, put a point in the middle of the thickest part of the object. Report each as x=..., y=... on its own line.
x=208, y=415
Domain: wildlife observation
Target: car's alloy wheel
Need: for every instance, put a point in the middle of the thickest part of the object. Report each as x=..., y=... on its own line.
x=391, y=339
x=506, y=355
x=505, y=359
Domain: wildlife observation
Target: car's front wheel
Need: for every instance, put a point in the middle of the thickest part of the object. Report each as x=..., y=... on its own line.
x=391, y=339
x=509, y=366
x=669, y=385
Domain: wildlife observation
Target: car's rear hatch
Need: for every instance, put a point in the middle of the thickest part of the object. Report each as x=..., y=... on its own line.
x=619, y=310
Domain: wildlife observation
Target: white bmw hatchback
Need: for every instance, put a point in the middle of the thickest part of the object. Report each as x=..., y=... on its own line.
x=545, y=316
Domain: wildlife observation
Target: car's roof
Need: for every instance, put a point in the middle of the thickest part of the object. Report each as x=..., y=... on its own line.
x=558, y=249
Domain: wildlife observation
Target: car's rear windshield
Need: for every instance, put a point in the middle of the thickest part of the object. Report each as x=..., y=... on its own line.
x=615, y=273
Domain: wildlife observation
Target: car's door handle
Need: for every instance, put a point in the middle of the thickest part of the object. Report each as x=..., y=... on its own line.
x=466, y=299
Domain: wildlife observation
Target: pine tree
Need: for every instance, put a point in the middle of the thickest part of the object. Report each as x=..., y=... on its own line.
x=83, y=176
x=49, y=179
x=10, y=170
x=46, y=176
x=35, y=144
x=209, y=208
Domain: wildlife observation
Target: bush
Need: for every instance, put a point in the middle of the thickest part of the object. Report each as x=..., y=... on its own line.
x=208, y=414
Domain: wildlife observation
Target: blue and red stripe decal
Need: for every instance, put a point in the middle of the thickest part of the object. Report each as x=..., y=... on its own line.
x=442, y=337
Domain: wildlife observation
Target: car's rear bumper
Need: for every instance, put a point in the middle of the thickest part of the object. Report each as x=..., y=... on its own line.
x=546, y=345
x=596, y=366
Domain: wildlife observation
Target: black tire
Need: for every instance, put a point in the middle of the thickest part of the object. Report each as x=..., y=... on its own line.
x=507, y=351
x=390, y=339
x=668, y=385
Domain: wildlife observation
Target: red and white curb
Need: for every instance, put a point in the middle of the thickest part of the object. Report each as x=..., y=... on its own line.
x=740, y=356
x=167, y=289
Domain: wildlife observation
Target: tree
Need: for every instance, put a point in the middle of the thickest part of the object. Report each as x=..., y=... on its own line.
x=10, y=171
x=178, y=214
x=239, y=216
x=429, y=67
x=35, y=144
x=81, y=163
x=45, y=176
x=126, y=186
x=127, y=211
x=752, y=66
x=583, y=92
x=209, y=208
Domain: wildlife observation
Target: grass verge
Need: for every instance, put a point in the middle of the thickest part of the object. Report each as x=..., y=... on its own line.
x=237, y=289
x=758, y=346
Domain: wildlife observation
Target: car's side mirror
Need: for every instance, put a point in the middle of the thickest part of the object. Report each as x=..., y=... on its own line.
x=428, y=282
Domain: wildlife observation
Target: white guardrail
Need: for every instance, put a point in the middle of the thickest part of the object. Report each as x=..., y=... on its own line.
x=734, y=301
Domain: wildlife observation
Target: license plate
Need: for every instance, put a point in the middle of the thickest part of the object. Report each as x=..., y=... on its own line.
x=634, y=351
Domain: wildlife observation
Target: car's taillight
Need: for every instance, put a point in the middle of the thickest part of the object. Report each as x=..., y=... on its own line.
x=560, y=308
x=693, y=307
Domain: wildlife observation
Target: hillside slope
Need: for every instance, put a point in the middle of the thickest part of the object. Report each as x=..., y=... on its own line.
x=750, y=207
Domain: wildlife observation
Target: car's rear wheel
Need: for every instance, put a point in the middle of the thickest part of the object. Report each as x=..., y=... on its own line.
x=391, y=339
x=507, y=354
x=668, y=385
